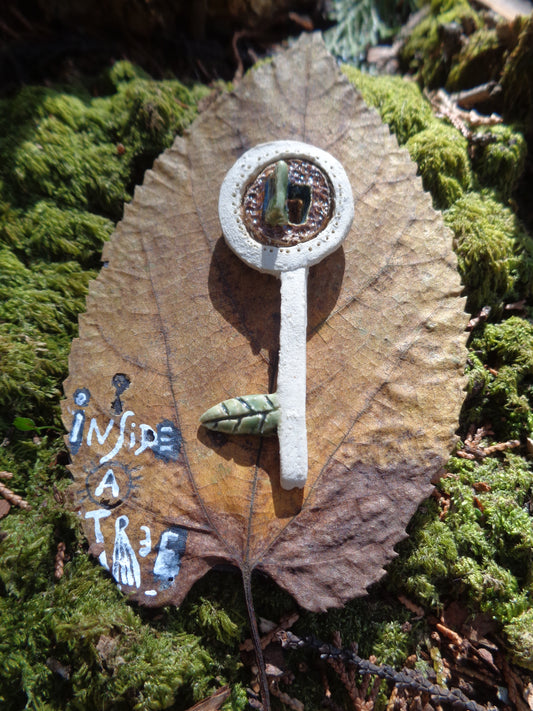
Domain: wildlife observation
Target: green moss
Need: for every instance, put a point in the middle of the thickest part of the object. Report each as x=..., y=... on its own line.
x=441, y=152
x=68, y=163
x=499, y=162
x=81, y=627
x=64, y=147
x=479, y=60
x=38, y=321
x=481, y=549
x=439, y=149
x=214, y=621
x=455, y=47
x=392, y=643
x=48, y=232
x=430, y=558
x=442, y=157
x=376, y=624
x=520, y=638
x=76, y=643
x=503, y=396
x=400, y=103
x=69, y=152
x=428, y=53
x=67, y=166
x=439, y=7
x=238, y=700
x=517, y=75
x=123, y=72
x=494, y=251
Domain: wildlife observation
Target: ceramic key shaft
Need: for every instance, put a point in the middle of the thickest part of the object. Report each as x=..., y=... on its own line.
x=291, y=389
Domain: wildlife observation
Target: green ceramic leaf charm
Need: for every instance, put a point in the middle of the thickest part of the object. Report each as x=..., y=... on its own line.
x=249, y=414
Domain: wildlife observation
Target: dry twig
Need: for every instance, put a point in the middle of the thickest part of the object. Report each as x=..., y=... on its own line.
x=405, y=679
x=463, y=121
x=516, y=306
x=13, y=498
x=285, y=698
x=59, y=561
x=412, y=607
x=480, y=318
x=286, y=623
x=450, y=634
x=213, y=702
x=473, y=449
x=444, y=501
x=468, y=98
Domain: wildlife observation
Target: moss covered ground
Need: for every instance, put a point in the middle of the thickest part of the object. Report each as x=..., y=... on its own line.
x=71, y=156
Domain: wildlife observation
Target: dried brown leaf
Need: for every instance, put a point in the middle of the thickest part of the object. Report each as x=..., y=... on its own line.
x=175, y=322
x=213, y=702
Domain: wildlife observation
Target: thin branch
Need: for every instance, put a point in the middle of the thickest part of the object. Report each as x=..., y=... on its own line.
x=405, y=679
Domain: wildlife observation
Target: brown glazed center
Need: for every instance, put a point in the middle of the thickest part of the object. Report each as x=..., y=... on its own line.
x=309, y=201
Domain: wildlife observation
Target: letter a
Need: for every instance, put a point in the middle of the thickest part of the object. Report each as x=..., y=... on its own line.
x=108, y=481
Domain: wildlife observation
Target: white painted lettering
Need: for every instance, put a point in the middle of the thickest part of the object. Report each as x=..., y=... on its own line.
x=93, y=427
x=120, y=441
x=126, y=569
x=171, y=548
x=79, y=419
x=146, y=543
x=165, y=438
x=108, y=481
x=148, y=439
x=102, y=559
x=98, y=514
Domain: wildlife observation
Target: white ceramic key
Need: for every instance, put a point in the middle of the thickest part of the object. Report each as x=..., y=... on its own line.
x=283, y=207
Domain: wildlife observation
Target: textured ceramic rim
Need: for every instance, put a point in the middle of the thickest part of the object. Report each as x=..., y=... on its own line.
x=270, y=258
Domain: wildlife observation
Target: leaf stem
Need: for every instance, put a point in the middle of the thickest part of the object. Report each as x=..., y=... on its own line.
x=256, y=640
